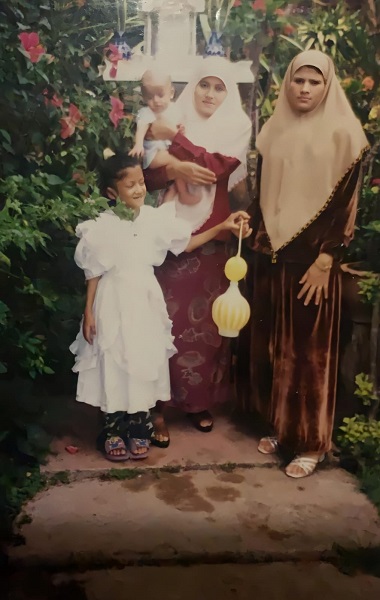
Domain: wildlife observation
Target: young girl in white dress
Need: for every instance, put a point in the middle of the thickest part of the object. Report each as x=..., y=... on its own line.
x=125, y=342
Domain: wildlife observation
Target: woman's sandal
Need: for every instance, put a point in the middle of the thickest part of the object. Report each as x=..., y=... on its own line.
x=268, y=442
x=197, y=418
x=113, y=443
x=135, y=444
x=307, y=464
x=161, y=430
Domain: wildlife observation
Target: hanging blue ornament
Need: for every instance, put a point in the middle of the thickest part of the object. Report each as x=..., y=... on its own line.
x=214, y=46
x=120, y=40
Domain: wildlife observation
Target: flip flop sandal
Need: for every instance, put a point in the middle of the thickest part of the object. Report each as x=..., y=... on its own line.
x=265, y=441
x=115, y=443
x=159, y=443
x=306, y=463
x=135, y=444
x=196, y=419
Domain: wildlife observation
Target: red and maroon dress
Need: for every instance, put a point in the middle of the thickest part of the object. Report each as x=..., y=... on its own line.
x=200, y=371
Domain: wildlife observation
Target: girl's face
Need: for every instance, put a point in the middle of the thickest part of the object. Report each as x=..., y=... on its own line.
x=130, y=189
x=306, y=89
x=209, y=94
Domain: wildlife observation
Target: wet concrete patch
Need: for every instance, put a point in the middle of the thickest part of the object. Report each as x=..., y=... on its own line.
x=222, y=493
x=179, y=491
x=141, y=483
x=230, y=477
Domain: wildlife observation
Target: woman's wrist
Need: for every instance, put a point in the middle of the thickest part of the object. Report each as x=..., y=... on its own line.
x=324, y=262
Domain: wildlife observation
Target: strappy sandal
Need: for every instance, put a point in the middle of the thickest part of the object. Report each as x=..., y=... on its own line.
x=112, y=443
x=136, y=444
x=160, y=429
x=268, y=441
x=196, y=419
x=306, y=463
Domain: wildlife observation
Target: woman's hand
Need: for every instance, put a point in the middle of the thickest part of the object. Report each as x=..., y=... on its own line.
x=315, y=283
x=234, y=220
x=161, y=130
x=89, y=328
x=190, y=172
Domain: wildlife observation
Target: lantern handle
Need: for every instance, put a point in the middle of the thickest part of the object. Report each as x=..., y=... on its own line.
x=240, y=237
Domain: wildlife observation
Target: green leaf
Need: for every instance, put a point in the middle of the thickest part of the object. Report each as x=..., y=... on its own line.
x=54, y=180
x=4, y=259
x=3, y=368
x=6, y=135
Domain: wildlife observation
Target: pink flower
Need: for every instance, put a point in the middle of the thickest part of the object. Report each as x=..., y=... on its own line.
x=368, y=83
x=113, y=56
x=259, y=5
x=31, y=45
x=69, y=123
x=288, y=29
x=52, y=100
x=117, y=111
x=237, y=3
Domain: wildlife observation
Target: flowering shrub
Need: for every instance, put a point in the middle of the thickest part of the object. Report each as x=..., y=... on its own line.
x=55, y=121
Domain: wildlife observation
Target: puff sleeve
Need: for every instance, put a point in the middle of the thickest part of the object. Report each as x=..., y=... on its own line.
x=96, y=249
x=173, y=233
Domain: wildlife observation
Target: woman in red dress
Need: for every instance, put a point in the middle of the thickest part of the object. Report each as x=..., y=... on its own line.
x=217, y=134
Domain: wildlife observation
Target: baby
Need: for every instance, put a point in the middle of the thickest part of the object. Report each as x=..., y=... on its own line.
x=158, y=92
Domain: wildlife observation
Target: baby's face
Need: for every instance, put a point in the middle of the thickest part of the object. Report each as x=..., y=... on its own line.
x=157, y=96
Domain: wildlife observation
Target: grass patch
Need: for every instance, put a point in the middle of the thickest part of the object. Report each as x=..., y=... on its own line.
x=369, y=478
x=171, y=469
x=359, y=560
x=228, y=467
x=120, y=474
x=59, y=477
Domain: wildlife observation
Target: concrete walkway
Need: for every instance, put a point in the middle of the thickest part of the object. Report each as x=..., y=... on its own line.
x=190, y=505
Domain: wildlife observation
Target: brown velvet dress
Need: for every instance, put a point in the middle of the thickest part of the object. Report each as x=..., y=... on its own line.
x=288, y=354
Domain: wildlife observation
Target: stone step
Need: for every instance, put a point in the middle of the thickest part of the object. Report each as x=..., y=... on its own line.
x=206, y=515
x=279, y=581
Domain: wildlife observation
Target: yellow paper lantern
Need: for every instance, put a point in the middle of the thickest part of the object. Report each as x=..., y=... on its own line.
x=231, y=311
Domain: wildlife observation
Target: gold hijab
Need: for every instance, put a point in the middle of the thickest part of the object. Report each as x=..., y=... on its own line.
x=306, y=155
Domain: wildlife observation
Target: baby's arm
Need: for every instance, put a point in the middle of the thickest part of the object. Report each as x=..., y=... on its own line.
x=89, y=329
x=141, y=130
x=230, y=224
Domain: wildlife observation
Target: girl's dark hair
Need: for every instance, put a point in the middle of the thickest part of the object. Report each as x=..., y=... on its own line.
x=111, y=170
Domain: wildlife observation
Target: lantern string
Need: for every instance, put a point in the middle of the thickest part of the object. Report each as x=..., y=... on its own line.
x=240, y=237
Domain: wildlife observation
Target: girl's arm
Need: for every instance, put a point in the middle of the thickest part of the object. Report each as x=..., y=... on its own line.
x=230, y=224
x=89, y=329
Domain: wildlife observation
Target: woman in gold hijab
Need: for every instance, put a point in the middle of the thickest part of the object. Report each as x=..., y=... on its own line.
x=310, y=152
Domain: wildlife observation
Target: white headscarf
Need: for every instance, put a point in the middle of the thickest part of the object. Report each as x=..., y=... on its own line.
x=227, y=131
x=306, y=155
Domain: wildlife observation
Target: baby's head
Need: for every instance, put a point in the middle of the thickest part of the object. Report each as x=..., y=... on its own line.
x=121, y=177
x=157, y=90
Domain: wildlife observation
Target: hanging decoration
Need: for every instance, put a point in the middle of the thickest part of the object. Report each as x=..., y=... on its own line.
x=120, y=39
x=213, y=23
x=231, y=311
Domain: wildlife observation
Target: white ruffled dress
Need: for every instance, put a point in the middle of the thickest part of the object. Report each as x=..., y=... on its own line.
x=126, y=368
